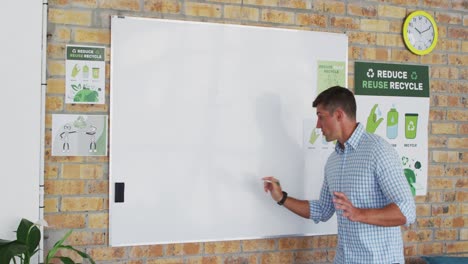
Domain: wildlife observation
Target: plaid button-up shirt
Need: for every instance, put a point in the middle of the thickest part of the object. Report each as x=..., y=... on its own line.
x=369, y=171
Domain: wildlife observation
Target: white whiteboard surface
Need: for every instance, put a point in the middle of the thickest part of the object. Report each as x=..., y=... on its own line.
x=199, y=113
x=20, y=110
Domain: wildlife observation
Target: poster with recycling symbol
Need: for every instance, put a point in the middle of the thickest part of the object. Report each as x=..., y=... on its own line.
x=85, y=75
x=393, y=102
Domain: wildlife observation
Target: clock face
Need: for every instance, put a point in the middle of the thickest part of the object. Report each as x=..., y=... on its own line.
x=420, y=33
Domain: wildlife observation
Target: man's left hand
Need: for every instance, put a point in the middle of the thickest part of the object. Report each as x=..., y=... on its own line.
x=342, y=202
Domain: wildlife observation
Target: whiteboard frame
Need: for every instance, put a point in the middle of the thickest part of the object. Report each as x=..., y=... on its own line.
x=114, y=238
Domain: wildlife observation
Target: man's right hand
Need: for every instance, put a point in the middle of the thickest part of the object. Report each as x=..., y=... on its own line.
x=299, y=207
x=272, y=185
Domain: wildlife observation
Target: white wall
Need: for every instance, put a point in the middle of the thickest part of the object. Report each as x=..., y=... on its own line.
x=20, y=113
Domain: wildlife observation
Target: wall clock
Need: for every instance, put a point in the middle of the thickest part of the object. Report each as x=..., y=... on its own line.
x=420, y=32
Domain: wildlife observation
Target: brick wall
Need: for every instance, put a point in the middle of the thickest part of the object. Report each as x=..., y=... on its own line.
x=77, y=187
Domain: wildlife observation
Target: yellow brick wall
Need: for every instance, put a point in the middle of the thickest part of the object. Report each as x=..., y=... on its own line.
x=77, y=187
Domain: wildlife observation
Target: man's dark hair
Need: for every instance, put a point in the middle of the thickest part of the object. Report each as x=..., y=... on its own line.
x=337, y=97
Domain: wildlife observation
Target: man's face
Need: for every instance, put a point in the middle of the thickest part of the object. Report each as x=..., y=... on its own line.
x=327, y=122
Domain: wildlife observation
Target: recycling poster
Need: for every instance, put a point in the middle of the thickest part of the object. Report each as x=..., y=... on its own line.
x=315, y=146
x=85, y=75
x=79, y=135
x=393, y=102
x=330, y=73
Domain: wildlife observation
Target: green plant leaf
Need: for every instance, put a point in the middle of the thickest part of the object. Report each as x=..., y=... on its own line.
x=60, y=242
x=23, y=230
x=5, y=256
x=3, y=242
x=56, y=247
x=66, y=260
x=59, y=245
x=33, y=240
x=10, y=250
x=28, y=234
x=81, y=253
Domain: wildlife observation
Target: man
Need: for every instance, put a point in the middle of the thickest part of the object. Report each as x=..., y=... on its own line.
x=364, y=184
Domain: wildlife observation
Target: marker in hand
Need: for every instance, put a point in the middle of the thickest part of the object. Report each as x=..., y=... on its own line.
x=270, y=181
x=268, y=184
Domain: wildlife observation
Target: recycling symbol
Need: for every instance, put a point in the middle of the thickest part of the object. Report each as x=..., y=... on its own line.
x=411, y=126
x=414, y=76
x=404, y=160
x=370, y=73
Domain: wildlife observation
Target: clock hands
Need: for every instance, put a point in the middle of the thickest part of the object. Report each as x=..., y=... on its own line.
x=424, y=30
x=418, y=30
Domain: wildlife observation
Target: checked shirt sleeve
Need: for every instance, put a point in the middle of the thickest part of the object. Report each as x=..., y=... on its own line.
x=323, y=209
x=393, y=183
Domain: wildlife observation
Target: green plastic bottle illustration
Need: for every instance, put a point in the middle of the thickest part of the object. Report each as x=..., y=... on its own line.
x=392, y=123
x=85, y=72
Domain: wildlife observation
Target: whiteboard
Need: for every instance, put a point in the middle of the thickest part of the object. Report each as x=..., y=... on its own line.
x=20, y=110
x=199, y=113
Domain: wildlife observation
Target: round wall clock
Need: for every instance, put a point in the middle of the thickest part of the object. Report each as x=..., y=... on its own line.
x=420, y=32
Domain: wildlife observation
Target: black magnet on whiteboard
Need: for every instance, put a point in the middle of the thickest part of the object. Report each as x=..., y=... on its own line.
x=119, y=192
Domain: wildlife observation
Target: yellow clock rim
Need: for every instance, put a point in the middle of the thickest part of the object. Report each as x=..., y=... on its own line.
x=405, y=32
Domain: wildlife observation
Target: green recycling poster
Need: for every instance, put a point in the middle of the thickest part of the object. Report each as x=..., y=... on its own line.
x=315, y=146
x=393, y=102
x=85, y=75
x=330, y=73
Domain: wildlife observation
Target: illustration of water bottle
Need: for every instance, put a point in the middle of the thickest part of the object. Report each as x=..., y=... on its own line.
x=85, y=72
x=392, y=123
